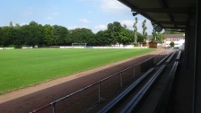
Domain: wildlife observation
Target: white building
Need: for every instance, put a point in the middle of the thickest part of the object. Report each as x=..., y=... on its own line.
x=178, y=39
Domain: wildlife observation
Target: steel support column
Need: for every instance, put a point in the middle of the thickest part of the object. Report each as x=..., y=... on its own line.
x=197, y=74
x=190, y=42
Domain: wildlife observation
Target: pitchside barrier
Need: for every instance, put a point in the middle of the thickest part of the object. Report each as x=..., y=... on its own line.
x=7, y=48
x=91, y=96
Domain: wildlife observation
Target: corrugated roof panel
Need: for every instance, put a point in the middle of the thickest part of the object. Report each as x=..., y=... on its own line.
x=181, y=3
x=180, y=17
x=146, y=3
x=168, y=25
x=171, y=14
x=159, y=16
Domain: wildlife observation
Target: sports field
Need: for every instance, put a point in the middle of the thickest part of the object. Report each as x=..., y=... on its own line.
x=22, y=68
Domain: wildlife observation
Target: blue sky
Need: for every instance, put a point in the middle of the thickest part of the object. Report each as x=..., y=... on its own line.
x=92, y=14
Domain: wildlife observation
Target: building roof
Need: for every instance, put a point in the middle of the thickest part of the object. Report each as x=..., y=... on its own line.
x=169, y=36
x=169, y=14
x=174, y=35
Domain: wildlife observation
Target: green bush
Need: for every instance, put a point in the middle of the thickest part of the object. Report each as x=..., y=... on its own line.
x=135, y=44
x=171, y=44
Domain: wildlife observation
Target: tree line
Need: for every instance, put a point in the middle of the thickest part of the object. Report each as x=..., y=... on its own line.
x=55, y=35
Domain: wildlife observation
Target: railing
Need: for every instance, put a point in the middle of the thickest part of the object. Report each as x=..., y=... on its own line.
x=164, y=99
x=140, y=94
x=121, y=96
x=178, y=55
x=170, y=58
x=99, y=91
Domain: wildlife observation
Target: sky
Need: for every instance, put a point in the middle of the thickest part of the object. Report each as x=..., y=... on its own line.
x=91, y=14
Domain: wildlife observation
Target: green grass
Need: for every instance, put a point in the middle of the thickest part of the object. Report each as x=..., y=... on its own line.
x=21, y=68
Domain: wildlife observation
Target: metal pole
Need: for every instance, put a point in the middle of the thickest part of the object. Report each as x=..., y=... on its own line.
x=53, y=108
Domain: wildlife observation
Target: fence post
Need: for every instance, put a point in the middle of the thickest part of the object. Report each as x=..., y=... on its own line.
x=53, y=108
x=99, y=92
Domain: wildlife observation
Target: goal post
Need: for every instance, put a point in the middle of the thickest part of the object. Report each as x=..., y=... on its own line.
x=79, y=44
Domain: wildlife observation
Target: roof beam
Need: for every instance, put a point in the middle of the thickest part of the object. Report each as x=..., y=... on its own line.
x=162, y=10
x=165, y=5
x=174, y=27
x=172, y=22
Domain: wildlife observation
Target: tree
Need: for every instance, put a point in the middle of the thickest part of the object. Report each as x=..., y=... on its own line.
x=126, y=36
x=144, y=28
x=171, y=44
x=88, y=36
x=6, y=36
x=36, y=34
x=159, y=37
x=26, y=40
x=49, y=35
x=115, y=29
x=60, y=35
x=113, y=32
x=120, y=34
x=140, y=37
x=156, y=36
x=32, y=34
x=11, y=24
x=82, y=35
x=135, y=30
x=153, y=33
x=1, y=37
x=103, y=38
x=17, y=25
x=16, y=37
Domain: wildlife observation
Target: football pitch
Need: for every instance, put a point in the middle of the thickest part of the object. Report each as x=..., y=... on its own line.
x=22, y=68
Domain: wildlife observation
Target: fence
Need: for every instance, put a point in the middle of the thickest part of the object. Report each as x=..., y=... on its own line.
x=92, y=95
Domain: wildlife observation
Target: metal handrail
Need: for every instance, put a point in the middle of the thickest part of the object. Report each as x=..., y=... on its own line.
x=178, y=55
x=162, y=104
x=136, y=99
x=161, y=61
x=125, y=92
x=170, y=58
x=53, y=103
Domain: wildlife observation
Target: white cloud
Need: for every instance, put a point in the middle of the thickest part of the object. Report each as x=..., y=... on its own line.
x=89, y=2
x=21, y=24
x=83, y=20
x=112, y=6
x=101, y=27
x=74, y=27
x=128, y=23
x=49, y=18
x=86, y=0
x=108, y=6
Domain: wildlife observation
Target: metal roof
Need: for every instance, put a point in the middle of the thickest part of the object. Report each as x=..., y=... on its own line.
x=169, y=14
x=174, y=35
